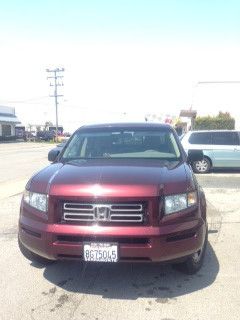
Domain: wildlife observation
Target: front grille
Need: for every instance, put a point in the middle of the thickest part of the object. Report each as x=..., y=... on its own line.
x=121, y=240
x=93, y=212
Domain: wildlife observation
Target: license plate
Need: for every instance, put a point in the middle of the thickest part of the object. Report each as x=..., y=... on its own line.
x=100, y=252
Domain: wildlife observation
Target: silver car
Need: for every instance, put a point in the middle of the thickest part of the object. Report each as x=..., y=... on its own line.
x=221, y=149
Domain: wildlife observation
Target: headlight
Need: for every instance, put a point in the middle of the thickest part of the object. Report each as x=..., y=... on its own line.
x=179, y=202
x=36, y=200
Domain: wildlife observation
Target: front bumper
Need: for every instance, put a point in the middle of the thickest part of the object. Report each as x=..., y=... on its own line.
x=145, y=243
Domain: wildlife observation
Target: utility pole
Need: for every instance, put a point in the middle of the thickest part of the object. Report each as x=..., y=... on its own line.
x=56, y=76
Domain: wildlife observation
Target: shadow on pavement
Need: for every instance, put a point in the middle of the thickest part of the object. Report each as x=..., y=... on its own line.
x=131, y=280
x=220, y=170
x=226, y=170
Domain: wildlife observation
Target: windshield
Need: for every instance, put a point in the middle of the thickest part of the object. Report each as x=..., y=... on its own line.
x=122, y=144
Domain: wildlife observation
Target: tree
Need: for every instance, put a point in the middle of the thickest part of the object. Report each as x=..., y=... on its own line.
x=222, y=121
x=224, y=115
x=47, y=124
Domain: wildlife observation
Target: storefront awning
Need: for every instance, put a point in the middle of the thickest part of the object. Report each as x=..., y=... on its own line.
x=13, y=120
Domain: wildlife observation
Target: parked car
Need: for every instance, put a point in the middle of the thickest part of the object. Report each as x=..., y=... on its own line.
x=221, y=149
x=45, y=135
x=30, y=135
x=120, y=192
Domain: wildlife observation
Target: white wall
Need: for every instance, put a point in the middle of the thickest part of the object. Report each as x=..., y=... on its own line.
x=10, y=110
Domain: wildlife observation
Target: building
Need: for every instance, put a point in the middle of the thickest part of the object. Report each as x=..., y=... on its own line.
x=8, y=121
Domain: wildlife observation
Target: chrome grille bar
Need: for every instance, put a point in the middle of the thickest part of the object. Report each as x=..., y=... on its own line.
x=127, y=207
x=130, y=218
x=71, y=216
x=78, y=207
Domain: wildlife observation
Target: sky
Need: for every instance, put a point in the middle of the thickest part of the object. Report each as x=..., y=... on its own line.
x=123, y=60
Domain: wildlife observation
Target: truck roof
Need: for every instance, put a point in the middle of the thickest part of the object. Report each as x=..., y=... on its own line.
x=127, y=125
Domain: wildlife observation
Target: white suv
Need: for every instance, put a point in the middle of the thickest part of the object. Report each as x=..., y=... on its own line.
x=221, y=148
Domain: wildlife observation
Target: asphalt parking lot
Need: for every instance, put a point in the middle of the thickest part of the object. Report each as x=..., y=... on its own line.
x=72, y=290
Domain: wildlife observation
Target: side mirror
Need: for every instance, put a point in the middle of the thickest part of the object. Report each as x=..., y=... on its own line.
x=52, y=155
x=194, y=155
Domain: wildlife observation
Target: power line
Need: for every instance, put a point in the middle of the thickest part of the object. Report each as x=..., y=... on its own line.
x=25, y=100
x=57, y=77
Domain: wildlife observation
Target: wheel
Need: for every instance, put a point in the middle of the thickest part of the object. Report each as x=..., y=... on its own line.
x=202, y=166
x=32, y=256
x=194, y=262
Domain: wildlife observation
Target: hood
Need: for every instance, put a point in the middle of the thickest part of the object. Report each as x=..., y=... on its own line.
x=127, y=178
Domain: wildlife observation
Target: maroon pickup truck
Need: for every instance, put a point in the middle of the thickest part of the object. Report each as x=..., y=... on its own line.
x=117, y=192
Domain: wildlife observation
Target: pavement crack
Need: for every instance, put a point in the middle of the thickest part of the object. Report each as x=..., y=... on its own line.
x=90, y=285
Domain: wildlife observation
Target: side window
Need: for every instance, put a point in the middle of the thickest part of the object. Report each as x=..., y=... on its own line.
x=73, y=150
x=225, y=138
x=200, y=138
x=238, y=138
